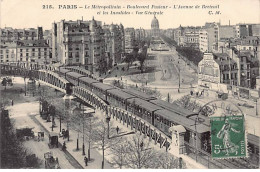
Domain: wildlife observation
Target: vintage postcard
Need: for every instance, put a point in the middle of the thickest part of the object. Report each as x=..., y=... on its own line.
x=130, y=84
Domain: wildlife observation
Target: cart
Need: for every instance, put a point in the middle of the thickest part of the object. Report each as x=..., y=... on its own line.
x=24, y=133
x=38, y=136
x=50, y=161
x=53, y=140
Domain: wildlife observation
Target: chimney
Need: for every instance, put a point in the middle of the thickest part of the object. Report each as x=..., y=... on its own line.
x=229, y=22
x=82, y=18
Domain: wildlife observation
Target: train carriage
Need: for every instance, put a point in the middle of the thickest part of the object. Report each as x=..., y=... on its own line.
x=101, y=89
x=87, y=82
x=164, y=119
x=117, y=97
x=142, y=108
x=139, y=94
x=63, y=71
x=73, y=77
x=172, y=107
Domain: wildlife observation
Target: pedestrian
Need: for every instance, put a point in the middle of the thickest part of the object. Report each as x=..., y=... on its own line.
x=63, y=133
x=86, y=161
x=117, y=129
x=64, y=146
x=12, y=101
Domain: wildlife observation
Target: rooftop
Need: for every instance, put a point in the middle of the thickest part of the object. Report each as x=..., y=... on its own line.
x=139, y=94
x=32, y=43
x=144, y=104
x=120, y=93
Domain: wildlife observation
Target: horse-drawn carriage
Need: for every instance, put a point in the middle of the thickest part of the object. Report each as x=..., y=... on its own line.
x=53, y=140
x=24, y=132
x=38, y=136
x=50, y=161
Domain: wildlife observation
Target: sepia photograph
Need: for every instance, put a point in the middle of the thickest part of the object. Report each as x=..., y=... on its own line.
x=130, y=84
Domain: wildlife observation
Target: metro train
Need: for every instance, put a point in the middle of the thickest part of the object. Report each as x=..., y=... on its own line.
x=159, y=113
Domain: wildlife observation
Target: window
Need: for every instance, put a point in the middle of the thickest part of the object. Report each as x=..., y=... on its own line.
x=33, y=49
x=27, y=50
x=242, y=67
x=27, y=54
x=45, y=49
x=7, y=56
x=21, y=50
x=1, y=51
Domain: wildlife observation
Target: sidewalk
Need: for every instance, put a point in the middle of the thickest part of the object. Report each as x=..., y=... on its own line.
x=190, y=163
x=96, y=157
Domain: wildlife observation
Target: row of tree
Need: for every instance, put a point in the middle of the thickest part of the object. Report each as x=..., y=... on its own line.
x=13, y=153
x=130, y=152
x=139, y=53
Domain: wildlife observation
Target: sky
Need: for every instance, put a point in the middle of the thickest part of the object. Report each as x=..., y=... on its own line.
x=30, y=14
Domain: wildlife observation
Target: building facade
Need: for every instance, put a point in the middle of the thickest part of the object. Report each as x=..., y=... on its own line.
x=8, y=52
x=191, y=39
x=114, y=43
x=9, y=34
x=79, y=43
x=34, y=51
x=207, y=37
x=139, y=34
x=129, y=39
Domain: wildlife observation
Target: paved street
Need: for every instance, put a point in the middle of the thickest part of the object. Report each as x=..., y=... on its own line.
x=20, y=113
x=165, y=78
x=252, y=120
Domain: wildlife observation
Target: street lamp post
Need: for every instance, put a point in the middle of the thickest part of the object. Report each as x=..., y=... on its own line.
x=179, y=75
x=108, y=120
x=83, y=145
x=67, y=101
x=256, y=112
x=24, y=85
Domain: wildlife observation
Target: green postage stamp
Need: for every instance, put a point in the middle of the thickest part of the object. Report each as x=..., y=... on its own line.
x=228, y=137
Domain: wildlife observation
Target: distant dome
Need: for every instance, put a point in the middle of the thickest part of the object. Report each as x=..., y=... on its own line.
x=155, y=23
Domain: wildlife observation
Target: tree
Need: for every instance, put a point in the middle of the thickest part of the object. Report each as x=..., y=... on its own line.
x=100, y=136
x=129, y=59
x=119, y=154
x=140, y=155
x=91, y=125
x=4, y=82
x=141, y=58
x=167, y=161
x=135, y=53
x=13, y=154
